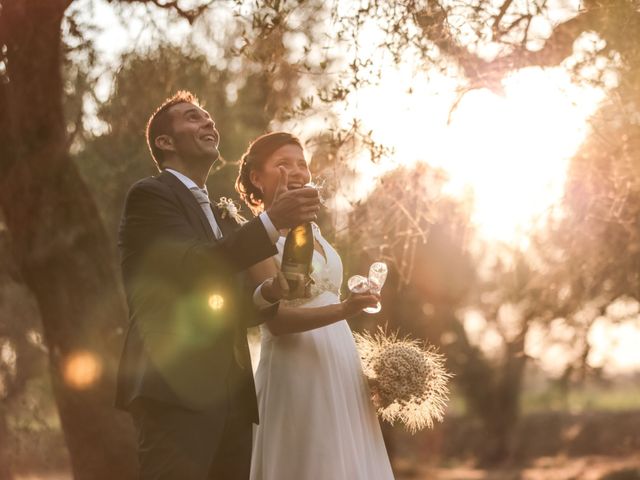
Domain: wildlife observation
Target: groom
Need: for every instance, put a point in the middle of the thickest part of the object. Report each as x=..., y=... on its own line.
x=185, y=373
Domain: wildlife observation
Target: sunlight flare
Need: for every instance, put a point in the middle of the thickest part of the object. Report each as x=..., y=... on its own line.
x=82, y=369
x=509, y=153
x=216, y=301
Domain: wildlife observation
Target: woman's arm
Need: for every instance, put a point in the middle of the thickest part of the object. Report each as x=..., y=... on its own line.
x=295, y=320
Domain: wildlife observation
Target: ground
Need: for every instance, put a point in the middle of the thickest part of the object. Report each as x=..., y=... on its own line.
x=549, y=468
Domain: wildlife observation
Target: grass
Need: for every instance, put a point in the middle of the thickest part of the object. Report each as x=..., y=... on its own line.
x=589, y=398
x=621, y=397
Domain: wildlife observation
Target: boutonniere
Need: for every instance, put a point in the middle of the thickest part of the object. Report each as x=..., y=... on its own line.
x=230, y=209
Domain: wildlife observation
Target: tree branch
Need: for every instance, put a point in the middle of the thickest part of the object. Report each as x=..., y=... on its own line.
x=488, y=73
x=189, y=14
x=498, y=18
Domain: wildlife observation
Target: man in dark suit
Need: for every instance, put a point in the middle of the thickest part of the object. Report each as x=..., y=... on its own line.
x=185, y=373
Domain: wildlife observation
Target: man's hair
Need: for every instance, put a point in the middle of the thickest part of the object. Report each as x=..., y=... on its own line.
x=160, y=122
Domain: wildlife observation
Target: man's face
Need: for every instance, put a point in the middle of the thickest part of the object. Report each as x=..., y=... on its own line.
x=194, y=132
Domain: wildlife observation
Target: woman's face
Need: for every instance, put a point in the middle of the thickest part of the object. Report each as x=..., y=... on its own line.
x=291, y=157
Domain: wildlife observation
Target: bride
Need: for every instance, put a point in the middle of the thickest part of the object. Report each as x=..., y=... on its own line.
x=317, y=421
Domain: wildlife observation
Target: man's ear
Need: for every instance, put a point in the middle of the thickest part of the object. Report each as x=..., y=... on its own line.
x=165, y=142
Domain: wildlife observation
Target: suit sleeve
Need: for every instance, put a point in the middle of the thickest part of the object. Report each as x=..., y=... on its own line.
x=155, y=224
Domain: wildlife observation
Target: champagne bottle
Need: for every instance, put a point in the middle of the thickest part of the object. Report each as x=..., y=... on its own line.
x=297, y=257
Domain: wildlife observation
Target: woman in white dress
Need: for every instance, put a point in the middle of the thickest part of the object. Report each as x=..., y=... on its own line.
x=317, y=421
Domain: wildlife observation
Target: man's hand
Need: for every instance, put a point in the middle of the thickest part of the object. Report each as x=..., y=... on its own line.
x=303, y=286
x=290, y=208
x=356, y=302
x=275, y=288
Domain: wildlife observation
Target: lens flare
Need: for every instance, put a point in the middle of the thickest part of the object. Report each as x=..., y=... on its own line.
x=216, y=301
x=82, y=369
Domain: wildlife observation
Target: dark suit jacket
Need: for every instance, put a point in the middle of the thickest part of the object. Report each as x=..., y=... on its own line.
x=186, y=344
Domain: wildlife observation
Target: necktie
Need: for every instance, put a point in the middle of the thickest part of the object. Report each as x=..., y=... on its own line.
x=203, y=199
x=240, y=335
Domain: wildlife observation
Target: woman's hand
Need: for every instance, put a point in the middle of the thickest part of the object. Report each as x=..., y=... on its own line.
x=356, y=302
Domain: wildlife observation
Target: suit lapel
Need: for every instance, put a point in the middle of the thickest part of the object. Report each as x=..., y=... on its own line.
x=195, y=214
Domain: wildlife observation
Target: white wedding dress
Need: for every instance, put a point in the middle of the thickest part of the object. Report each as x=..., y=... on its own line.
x=317, y=421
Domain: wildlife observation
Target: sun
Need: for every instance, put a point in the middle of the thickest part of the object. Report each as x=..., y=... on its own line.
x=510, y=152
x=514, y=150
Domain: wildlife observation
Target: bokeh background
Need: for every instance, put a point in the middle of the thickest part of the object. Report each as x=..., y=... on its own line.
x=487, y=150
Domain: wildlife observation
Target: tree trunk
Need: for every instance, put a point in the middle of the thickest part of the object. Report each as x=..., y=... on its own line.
x=501, y=419
x=5, y=462
x=492, y=393
x=59, y=242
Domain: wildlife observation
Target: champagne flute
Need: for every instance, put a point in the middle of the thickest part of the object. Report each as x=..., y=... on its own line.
x=358, y=284
x=377, y=277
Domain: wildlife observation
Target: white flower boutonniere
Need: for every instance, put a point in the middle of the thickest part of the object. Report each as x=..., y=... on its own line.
x=229, y=208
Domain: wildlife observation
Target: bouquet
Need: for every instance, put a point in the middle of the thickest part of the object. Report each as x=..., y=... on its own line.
x=407, y=378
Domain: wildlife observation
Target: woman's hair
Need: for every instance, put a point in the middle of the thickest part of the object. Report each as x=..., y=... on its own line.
x=253, y=159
